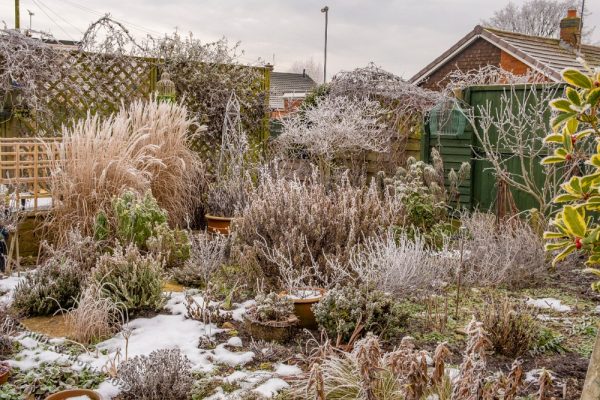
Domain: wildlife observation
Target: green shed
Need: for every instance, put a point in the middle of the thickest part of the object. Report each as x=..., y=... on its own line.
x=453, y=135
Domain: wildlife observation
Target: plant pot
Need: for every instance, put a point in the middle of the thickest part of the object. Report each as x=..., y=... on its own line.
x=303, y=305
x=271, y=331
x=4, y=374
x=218, y=225
x=68, y=394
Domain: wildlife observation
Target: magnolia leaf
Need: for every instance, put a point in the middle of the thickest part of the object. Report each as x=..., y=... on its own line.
x=595, y=160
x=571, y=127
x=561, y=105
x=592, y=270
x=557, y=245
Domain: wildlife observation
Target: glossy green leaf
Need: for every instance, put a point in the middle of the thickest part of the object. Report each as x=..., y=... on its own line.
x=577, y=78
x=574, y=220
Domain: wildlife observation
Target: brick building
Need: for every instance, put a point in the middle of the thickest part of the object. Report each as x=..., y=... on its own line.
x=513, y=52
x=287, y=92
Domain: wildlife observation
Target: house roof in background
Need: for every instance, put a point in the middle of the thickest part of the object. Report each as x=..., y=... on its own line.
x=287, y=83
x=549, y=56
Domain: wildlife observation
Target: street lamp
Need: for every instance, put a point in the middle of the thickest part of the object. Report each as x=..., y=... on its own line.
x=326, y=11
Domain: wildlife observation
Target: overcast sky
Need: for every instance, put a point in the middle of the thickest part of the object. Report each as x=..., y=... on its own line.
x=401, y=36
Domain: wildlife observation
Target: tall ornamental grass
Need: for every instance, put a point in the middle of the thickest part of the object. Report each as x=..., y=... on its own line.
x=143, y=147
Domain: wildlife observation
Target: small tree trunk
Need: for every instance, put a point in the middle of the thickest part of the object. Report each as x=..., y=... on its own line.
x=591, y=387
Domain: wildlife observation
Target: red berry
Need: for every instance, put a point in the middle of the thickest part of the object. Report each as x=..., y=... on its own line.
x=597, y=83
x=568, y=157
x=578, y=243
x=573, y=139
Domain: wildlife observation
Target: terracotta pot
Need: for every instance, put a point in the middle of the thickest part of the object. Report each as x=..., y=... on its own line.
x=303, y=306
x=271, y=331
x=219, y=225
x=4, y=374
x=67, y=394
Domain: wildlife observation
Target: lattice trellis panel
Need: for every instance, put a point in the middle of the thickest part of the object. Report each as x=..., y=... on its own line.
x=92, y=83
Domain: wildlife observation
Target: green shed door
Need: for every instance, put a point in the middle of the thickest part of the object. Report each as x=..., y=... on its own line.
x=485, y=187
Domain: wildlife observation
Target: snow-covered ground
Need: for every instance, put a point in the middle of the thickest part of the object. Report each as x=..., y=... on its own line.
x=170, y=330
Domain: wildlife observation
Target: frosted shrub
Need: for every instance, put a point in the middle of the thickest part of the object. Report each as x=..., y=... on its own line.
x=510, y=254
x=54, y=285
x=400, y=265
x=309, y=223
x=207, y=254
x=164, y=374
x=131, y=280
x=348, y=312
x=336, y=126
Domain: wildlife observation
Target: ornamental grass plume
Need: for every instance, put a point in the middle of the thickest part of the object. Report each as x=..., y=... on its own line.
x=142, y=147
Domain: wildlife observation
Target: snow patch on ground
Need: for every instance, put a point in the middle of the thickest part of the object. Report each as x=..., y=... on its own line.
x=271, y=387
x=7, y=287
x=223, y=356
x=33, y=358
x=163, y=331
x=287, y=370
x=534, y=375
x=549, y=303
x=234, y=342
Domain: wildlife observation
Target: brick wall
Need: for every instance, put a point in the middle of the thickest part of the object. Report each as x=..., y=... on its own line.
x=480, y=53
x=511, y=64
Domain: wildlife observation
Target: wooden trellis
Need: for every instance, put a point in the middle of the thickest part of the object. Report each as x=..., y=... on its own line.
x=86, y=83
x=25, y=171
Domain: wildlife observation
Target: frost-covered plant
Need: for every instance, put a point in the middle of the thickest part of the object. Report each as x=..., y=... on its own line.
x=348, y=311
x=512, y=329
x=131, y=280
x=272, y=307
x=207, y=254
x=368, y=372
x=335, y=127
x=205, y=74
x=398, y=264
x=164, y=374
x=49, y=378
x=205, y=309
x=135, y=219
x=508, y=253
x=310, y=222
x=54, y=285
x=229, y=196
x=171, y=245
x=7, y=347
x=94, y=317
x=142, y=148
x=83, y=250
x=421, y=188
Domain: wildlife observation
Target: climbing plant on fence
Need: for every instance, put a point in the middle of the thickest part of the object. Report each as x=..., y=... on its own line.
x=45, y=84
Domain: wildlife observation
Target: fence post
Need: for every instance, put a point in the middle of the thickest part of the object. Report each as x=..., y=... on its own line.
x=591, y=387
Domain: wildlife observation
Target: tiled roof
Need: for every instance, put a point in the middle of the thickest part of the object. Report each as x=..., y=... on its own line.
x=549, y=51
x=288, y=82
x=546, y=55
